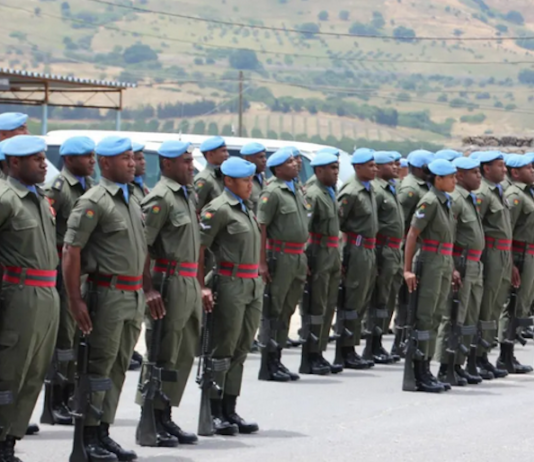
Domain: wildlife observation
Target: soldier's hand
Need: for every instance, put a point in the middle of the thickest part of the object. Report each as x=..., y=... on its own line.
x=411, y=281
x=80, y=313
x=207, y=299
x=456, y=280
x=155, y=304
x=264, y=273
x=516, y=277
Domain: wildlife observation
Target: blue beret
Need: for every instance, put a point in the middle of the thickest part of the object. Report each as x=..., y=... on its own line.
x=136, y=147
x=364, y=151
x=328, y=150
x=279, y=157
x=441, y=167
x=518, y=161
x=252, y=148
x=2, y=156
x=466, y=163
x=212, y=143
x=324, y=158
x=404, y=163
x=362, y=156
x=12, y=120
x=448, y=154
x=113, y=146
x=384, y=157
x=173, y=148
x=24, y=145
x=489, y=156
x=396, y=155
x=530, y=155
x=420, y=158
x=77, y=146
x=475, y=154
x=236, y=167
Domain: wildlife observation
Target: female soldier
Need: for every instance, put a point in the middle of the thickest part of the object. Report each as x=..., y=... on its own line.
x=433, y=223
x=230, y=230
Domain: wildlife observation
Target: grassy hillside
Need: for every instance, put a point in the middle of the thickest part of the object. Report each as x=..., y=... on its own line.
x=338, y=86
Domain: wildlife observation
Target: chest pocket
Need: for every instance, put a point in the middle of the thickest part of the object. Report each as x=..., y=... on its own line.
x=114, y=226
x=468, y=217
x=496, y=206
x=237, y=227
x=180, y=219
x=289, y=207
x=528, y=206
x=23, y=224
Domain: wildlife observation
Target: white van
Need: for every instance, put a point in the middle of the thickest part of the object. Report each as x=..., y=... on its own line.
x=152, y=142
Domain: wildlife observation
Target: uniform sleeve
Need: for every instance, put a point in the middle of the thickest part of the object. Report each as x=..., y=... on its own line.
x=156, y=212
x=516, y=207
x=82, y=222
x=203, y=189
x=483, y=203
x=267, y=207
x=54, y=197
x=211, y=223
x=408, y=199
x=313, y=210
x=345, y=202
x=5, y=211
x=424, y=214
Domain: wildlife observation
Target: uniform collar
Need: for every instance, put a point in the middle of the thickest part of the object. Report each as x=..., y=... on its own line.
x=21, y=190
x=490, y=184
x=71, y=179
x=259, y=178
x=112, y=187
x=360, y=186
x=283, y=184
x=234, y=200
x=520, y=185
x=383, y=183
x=138, y=180
x=462, y=191
x=442, y=196
x=171, y=184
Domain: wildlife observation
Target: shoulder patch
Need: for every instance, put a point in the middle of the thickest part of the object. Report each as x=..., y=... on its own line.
x=207, y=215
x=58, y=183
x=155, y=209
x=89, y=213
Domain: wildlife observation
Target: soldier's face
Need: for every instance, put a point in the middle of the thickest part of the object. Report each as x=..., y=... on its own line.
x=367, y=171
x=22, y=130
x=218, y=156
x=298, y=160
x=288, y=170
x=495, y=171
x=328, y=174
x=31, y=169
x=184, y=169
x=120, y=169
x=81, y=165
x=259, y=160
x=525, y=174
x=445, y=183
x=470, y=179
x=241, y=187
x=140, y=163
x=387, y=171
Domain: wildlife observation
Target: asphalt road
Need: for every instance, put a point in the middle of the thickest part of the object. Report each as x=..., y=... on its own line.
x=353, y=416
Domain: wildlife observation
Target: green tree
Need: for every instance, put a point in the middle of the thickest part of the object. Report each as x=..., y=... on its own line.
x=244, y=59
x=378, y=20
x=515, y=16
x=402, y=32
x=344, y=15
x=310, y=29
x=323, y=16
x=213, y=129
x=256, y=133
x=526, y=76
x=227, y=130
x=139, y=53
x=199, y=128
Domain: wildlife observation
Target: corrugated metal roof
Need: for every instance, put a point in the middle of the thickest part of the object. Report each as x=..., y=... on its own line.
x=7, y=72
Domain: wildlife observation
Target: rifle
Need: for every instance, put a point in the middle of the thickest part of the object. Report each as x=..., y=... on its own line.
x=413, y=336
x=207, y=366
x=268, y=326
x=457, y=331
x=514, y=322
x=85, y=386
x=476, y=340
x=146, y=433
x=6, y=397
x=404, y=302
x=341, y=332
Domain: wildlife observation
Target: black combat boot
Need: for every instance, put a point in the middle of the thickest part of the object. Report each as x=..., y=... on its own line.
x=95, y=451
x=422, y=380
x=397, y=350
x=32, y=429
x=172, y=428
x=334, y=368
x=60, y=412
x=273, y=366
x=292, y=375
x=112, y=446
x=442, y=376
x=228, y=405
x=485, y=365
x=163, y=438
x=528, y=332
x=317, y=365
x=432, y=377
x=507, y=350
x=380, y=354
x=353, y=360
x=7, y=450
x=221, y=426
x=471, y=379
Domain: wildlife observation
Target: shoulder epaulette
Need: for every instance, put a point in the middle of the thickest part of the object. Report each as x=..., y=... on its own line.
x=58, y=183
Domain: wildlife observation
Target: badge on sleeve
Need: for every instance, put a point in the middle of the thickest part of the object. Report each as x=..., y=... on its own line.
x=264, y=199
x=156, y=209
x=516, y=201
x=421, y=212
x=199, y=184
x=89, y=214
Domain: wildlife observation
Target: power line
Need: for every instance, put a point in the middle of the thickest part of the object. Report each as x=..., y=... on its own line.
x=299, y=31
x=260, y=51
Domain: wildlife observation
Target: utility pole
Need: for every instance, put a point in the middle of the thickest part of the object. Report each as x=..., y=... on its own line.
x=240, y=123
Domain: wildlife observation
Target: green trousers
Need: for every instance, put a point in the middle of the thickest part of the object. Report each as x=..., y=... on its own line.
x=388, y=281
x=117, y=323
x=286, y=291
x=325, y=264
x=470, y=297
x=180, y=335
x=236, y=318
x=359, y=286
x=434, y=288
x=525, y=293
x=29, y=320
x=497, y=281
x=66, y=335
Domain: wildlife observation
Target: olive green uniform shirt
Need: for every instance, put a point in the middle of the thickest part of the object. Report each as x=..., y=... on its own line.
x=258, y=183
x=521, y=201
x=390, y=212
x=208, y=185
x=469, y=229
x=357, y=209
x=139, y=192
x=411, y=191
x=284, y=213
x=494, y=210
x=63, y=192
x=110, y=231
